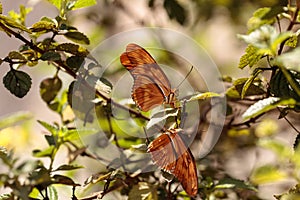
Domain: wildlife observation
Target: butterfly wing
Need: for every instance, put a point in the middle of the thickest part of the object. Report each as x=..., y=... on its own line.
x=151, y=85
x=170, y=153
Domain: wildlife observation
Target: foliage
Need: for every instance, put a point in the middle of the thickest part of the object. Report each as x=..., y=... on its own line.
x=273, y=85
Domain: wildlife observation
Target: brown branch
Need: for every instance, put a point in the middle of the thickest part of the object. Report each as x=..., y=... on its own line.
x=60, y=64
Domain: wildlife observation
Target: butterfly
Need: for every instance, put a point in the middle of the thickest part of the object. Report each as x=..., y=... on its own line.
x=169, y=152
x=151, y=86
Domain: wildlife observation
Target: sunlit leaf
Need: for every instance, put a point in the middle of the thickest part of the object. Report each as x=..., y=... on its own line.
x=48, y=152
x=250, y=58
x=43, y=26
x=249, y=82
x=83, y=3
x=13, y=24
x=15, y=119
x=203, y=96
x=262, y=16
x=15, y=55
x=266, y=127
x=49, y=127
x=17, y=82
x=265, y=105
x=282, y=150
x=5, y=196
x=267, y=174
x=228, y=183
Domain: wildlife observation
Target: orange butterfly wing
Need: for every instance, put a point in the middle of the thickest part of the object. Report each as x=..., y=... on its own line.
x=170, y=153
x=151, y=86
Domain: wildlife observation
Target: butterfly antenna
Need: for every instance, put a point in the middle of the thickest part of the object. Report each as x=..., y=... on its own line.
x=185, y=77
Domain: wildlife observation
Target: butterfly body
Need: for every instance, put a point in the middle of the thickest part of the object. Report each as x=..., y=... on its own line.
x=170, y=153
x=151, y=86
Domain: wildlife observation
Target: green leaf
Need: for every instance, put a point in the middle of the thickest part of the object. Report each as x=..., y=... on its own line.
x=236, y=90
x=267, y=174
x=50, y=56
x=15, y=55
x=60, y=179
x=266, y=105
x=250, y=58
x=49, y=88
x=49, y=127
x=1, y=10
x=52, y=193
x=203, y=96
x=175, y=10
x=43, y=26
x=77, y=37
x=15, y=119
x=249, y=82
x=13, y=24
x=83, y=3
x=143, y=191
x=283, y=151
x=68, y=167
x=228, y=183
x=48, y=152
x=261, y=17
x=73, y=49
x=56, y=3
x=75, y=62
x=17, y=82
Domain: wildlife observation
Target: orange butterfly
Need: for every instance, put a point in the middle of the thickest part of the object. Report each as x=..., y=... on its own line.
x=170, y=153
x=151, y=86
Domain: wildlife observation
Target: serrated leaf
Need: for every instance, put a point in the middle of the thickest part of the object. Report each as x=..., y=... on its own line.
x=73, y=49
x=250, y=58
x=75, y=62
x=266, y=105
x=228, y=183
x=143, y=191
x=249, y=82
x=15, y=119
x=267, y=174
x=50, y=56
x=15, y=55
x=49, y=88
x=68, y=167
x=48, y=152
x=43, y=26
x=13, y=24
x=203, y=96
x=77, y=37
x=175, y=10
x=17, y=82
